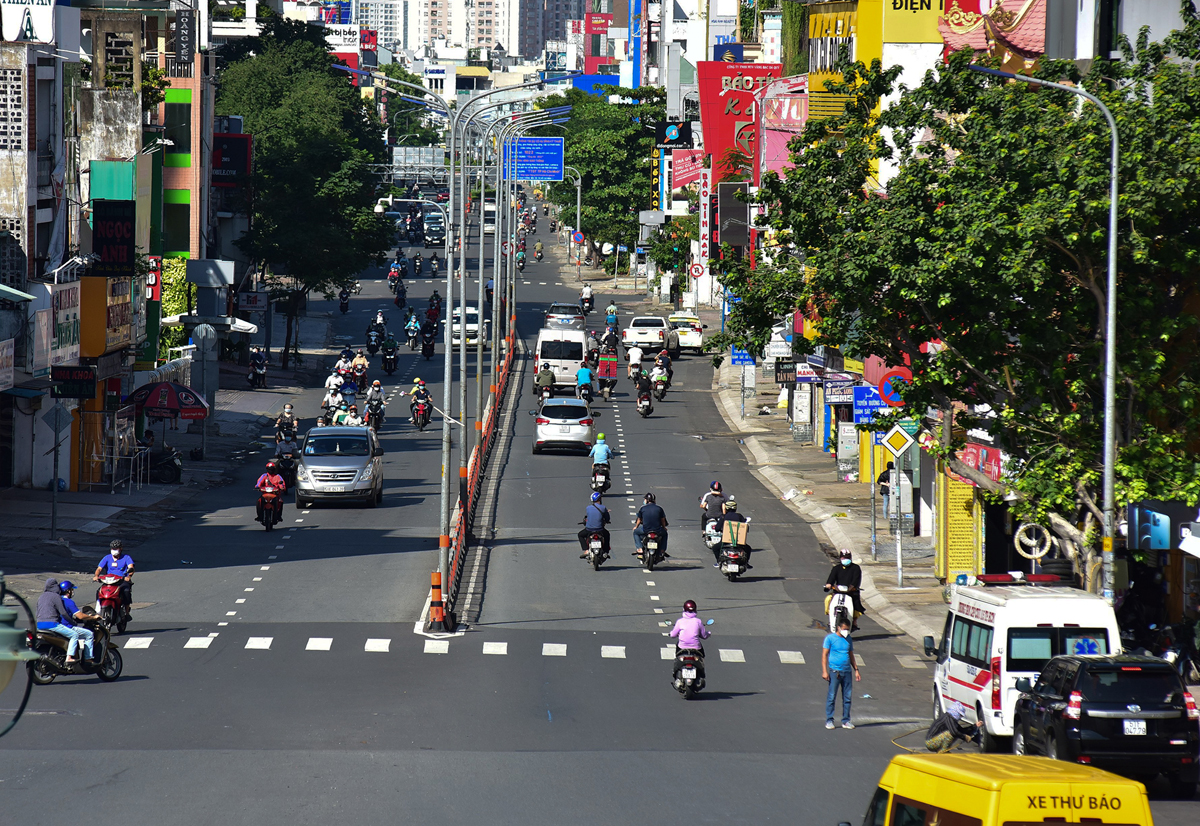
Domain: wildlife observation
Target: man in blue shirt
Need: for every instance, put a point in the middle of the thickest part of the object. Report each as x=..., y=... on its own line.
x=118, y=563
x=601, y=453
x=67, y=589
x=583, y=376
x=650, y=518
x=837, y=666
x=594, y=519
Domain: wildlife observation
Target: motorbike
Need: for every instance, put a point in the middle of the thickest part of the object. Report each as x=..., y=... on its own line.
x=401, y=299
x=521, y=264
x=427, y=346
x=600, y=478
x=596, y=554
x=553, y=225
x=412, y=339
x=422, y=414
x=267, y=498
x=433, y=267
x=651, y=554
x=286, y=427
x=393, y=280
x=734, y=560
x=375, y=415
x=537, y=254
x=344, y=305
x=287, y=468
x=109, y=605
x=257, y=377
x=357, y=290
x=545, y=393
x=167, y=467
x=712, y=537
x=687, y=672
x=373, y=342
x=389, y=362
x=841, y=607
x=349, y=390
x=360, y=377
x=489, y=295
x=644, y=406
x=545, y=209
x=660, y=387
x=588, y=303
x=105, y=662
x=585, y=392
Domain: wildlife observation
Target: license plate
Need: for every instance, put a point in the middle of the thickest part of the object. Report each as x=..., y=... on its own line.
x=729, y=568
x=688, y=673
x=652, y=545
x=1135, y=726
x=596, y=546
x=335, y=488
x=564, y=428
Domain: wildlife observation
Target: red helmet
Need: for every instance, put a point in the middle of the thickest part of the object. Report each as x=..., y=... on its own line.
x=690, y=606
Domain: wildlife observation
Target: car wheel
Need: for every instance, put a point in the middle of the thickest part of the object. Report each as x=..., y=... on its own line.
x=536, y=450
x=990, y=743
x=937, y=705
x=1182, y=789
x=1018, y=740
x=1052, y=748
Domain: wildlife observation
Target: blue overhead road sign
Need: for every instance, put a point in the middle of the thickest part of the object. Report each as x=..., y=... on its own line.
x=866, y=403
x=741, y=357
x=538, y=159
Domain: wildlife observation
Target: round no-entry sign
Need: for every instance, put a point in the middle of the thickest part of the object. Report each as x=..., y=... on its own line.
x=891, y=384
x=697, y=270
x=504, y=248
x=577, y=237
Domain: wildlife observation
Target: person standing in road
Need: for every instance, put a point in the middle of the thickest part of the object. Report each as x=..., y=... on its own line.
x=837, y=666
x=885, y=487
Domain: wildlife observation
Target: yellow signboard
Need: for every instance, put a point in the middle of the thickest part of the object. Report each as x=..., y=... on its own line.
x=912, y=21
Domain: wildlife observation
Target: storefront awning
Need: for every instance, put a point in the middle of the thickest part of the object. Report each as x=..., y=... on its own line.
x=10, y=294
x=24, y=392
x=236, y=325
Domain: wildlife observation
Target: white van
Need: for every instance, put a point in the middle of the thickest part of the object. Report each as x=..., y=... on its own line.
x=996, y=635
x=563, y=350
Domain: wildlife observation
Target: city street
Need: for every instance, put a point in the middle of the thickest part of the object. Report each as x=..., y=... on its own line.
x=279, y=677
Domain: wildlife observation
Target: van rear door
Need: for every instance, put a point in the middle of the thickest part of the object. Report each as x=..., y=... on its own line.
x=1028, y=803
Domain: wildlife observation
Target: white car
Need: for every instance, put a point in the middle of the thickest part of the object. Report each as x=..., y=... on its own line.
x=689, y=329
x=652, y=333
x=564, y=423
x=472, y=327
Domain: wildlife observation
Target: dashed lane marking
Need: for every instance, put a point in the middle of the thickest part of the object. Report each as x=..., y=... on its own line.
x=612, y=652
x=667, y=652
x=378, y=646
x=910, y=661
x=791, y=657
x=137, y=642
x=499, y=648
x=732, y=655
x=319, y=644
x=437, y=646
x=260, y=643
x=554, y=649
x=198, y=642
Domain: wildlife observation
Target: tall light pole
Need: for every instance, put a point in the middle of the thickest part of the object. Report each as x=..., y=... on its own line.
x=1110, y=325
x=578, y=204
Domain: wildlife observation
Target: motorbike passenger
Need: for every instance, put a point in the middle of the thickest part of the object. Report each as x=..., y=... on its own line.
x=690, y=630
x=663, y=360
x=650, y=518
x=343, y=412
x=730, y=515
x=592, y=344
x=635, y=356
x=711, y=504
x=583, y=378
x=420, y=393
x=117, y=563
x=67, y=589
x=847, y=573
x=271, y=479
x=585, y=294
x=284, y=446
x=53, y=615
x=594, y=519
x=544, y=379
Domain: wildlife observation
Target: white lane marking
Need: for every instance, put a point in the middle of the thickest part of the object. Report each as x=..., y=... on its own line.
x=437, y=646
x=665, y=625
x=305, y=511
x=221, y=624
x=732, y=655
x=500, y=648
x=378, y=646
x=298, y=520
x=319, y=644
x=667, y=652
x=791, y=657
x=646, y=571
x=198, y=642
x=650, y=582
x=612, y=652
x=658, y=610
x=910, y=661
x=554, y=649
x=278, y=548
x=231, y=613
x=286, y=537
x=137, y=642
x=265, y=567
x=858, y=660
x=653, y=598
x=238, y=601
x=260, y=643
x=256, y=579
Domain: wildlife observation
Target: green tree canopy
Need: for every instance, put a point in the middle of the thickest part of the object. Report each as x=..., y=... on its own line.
x=990, y=244
x=409, y=121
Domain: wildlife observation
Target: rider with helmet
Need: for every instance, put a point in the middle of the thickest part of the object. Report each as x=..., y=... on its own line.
x=651, y=517
x=663, y=360
x=601, y=453
x=711, y=503
x=352, y=419
x=419, y=394
x=360, y=360
x=690, y=630
x=730, y=514
x=271, y=479
x=545, y=378
x=375, y=394
x=594, y=519
x=117, y=563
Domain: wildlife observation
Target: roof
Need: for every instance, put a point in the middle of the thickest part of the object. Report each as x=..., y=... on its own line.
x=991, y=771
x=1116, y=659
x=473, y=71
x=11, y=294
x=999, y=595
x=337, y=430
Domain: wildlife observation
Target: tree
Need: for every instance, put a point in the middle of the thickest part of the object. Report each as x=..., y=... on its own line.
x=408, y=120
x=315, y=138
x=175, y=301
x=611, y=145
x=984, y=267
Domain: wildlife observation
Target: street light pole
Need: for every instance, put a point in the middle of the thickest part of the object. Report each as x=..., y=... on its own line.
x=1110, y=325
x=578, y=203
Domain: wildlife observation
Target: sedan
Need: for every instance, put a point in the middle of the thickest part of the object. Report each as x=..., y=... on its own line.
x=564, y=317
x=565, y=423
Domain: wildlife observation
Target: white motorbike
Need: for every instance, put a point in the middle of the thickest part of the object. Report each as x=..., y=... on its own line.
x=841, y=607
x=712, y=537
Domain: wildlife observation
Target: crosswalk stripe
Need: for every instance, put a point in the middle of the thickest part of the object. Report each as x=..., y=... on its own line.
x=378, y=646
x=198, y=642
x=910, y=661
x=495, y=648
x=261, y=643
x=437, y=646
x=554, y=649
x=791, y=657
x=612, y=652
x=137, y=642
x=732, y=655
x=667, y=652
x=319, y=644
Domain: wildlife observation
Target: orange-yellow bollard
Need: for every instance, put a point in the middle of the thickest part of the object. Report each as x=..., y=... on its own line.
x=437, y=614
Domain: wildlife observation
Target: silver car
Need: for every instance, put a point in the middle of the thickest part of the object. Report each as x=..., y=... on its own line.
x=564, y=317
x=565, y=423
x=340, y=463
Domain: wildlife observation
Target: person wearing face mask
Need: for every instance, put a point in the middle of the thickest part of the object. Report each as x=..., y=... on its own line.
x=118, y=563
x=837, y=666
x=847, y=573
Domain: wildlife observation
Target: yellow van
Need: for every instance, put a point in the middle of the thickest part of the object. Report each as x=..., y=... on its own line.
x=1001, y=790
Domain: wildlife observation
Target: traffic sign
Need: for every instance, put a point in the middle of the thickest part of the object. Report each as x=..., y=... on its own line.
x=741, y=357
x=866, y=403
x=58, y=418
x=538, y=159
x=504, y=248
x=577, y=237
x=897, y=441
x=779, y=349
x=622, y=248
x=891, y=384
x=697, y=270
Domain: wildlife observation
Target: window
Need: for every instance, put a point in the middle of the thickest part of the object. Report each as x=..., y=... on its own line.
x=877, y=811
x=980, y=645
x=972, y=642
x=562, y=350
x=336, y=446
x=648, y=322
x=1144, y=686
x=178, y=127
x=906, y=814
x=1029, y=649
x=574, y=412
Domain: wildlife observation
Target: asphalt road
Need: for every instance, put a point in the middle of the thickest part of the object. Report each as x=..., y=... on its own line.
x=277, y=679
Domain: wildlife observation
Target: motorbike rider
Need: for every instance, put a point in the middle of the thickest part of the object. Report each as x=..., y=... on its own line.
x=401, y=295
x=287, y=420
x=285, y=445
x=435, y=300
x=594, y=519
x=258, y=358
x=642, y=382
x=352, y=419
x=601, y=453
x=271, y=479
x=663, y=360
x=650, y=518
x=117, y=563
x=730, y=515
x=390, y=346
x=847, y=573
x=375, y=393
x=544, y=378
x=429, y=327
x=360, y=360
x=538, y=247
x=611, y=309
x=635, y=356
x=610, y=337
x=344, y=296
x=53, y=615
x=343, y=412
x=335, y=381
x=711, y=504
x=420, y=393
x=583, y=377
x=343, y=363
x=333, y=398
x=585, y=293
x=690, y=630
x=412, y=327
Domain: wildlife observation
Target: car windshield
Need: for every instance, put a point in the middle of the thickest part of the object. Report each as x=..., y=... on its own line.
x=574, y=412
x=647, y=322
x=1129, y=684
x=564, y=309
x=336, y=446
x=1029, y=649
x=562, y=350
x=682, y=325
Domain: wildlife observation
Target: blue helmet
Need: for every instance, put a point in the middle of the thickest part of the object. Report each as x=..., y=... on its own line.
x=596, y=496
x=66, y=586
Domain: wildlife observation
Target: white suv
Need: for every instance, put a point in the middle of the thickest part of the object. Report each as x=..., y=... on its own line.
x=652, y=333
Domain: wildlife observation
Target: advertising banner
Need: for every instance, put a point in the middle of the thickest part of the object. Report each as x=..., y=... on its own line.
x=64, y=324
x=30, y=21
x=185, y=37
x=784, y=105
x=916, y=21
x=41, y=343
x=119, y=315
x=597, y=23
x=113, y=238
x=729, y=52
x=685, y=166
x=538, y=159
x=368, y=40
x=342, y=37
x=7, y=366
x=729, y=107
x=231, y=160
x=673, y=135
x=705, y=219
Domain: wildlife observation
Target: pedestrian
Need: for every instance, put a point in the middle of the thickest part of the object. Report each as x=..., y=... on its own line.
x=885, y=487
x=949, y=728
x=837, y=666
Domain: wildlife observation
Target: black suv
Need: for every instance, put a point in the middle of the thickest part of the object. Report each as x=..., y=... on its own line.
x=1130, y=715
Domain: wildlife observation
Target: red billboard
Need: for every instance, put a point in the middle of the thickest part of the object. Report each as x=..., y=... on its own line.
x=729, y=107
x=685, y=166
x=597, y=23
x=368, y=40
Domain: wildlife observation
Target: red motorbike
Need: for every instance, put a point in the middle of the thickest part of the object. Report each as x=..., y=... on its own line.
x=270, y=504
x=421, y=414
x=108, y=602
x=651, y=553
